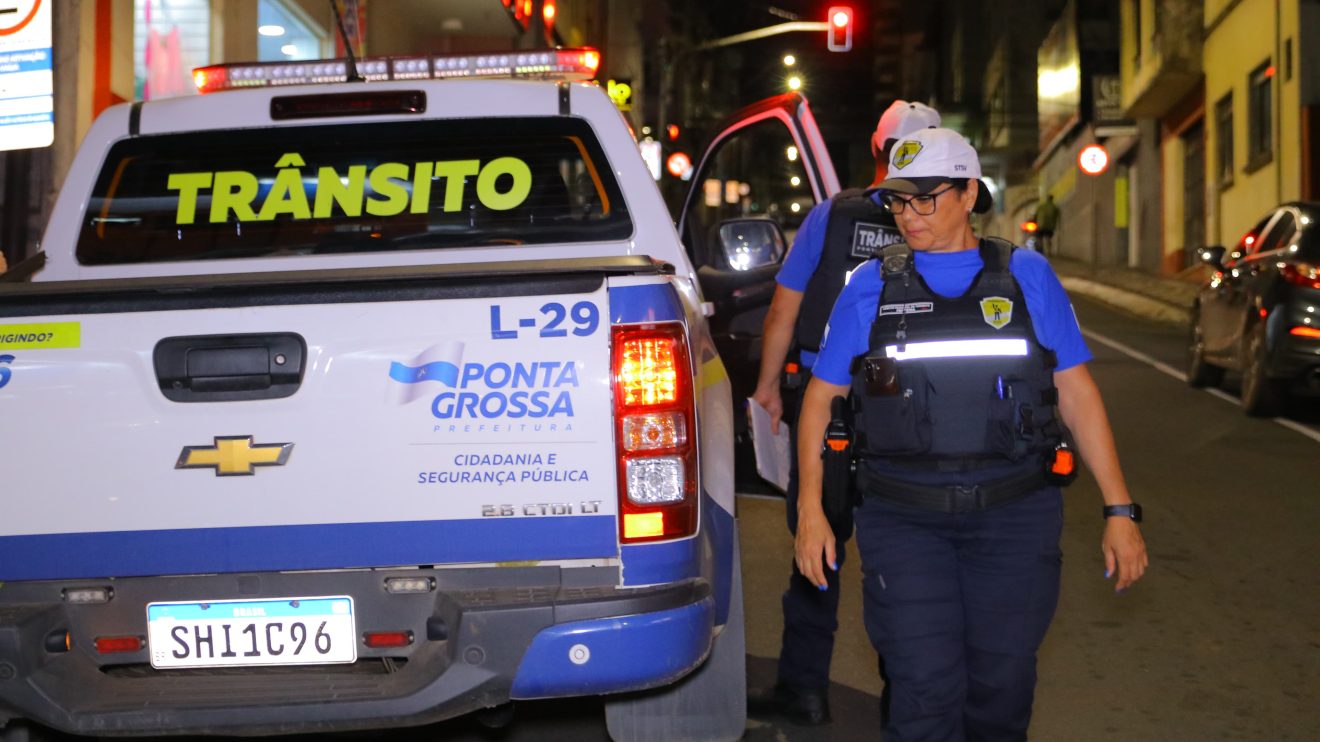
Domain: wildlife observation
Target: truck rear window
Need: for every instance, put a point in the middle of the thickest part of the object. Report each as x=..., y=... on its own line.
x=351, y=188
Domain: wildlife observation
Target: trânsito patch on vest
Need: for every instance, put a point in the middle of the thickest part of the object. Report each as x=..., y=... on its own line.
x=870, y=238
x=997, y=311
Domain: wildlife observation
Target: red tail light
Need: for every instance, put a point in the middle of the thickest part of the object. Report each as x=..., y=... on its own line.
x=654, y=433
x=387, y=639
x=1301, y=274
x=118, y=644
x=1305, y=332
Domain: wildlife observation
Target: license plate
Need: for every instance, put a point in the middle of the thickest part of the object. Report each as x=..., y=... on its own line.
x=230, y=633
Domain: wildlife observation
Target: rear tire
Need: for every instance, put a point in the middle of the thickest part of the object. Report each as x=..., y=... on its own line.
x=1200, y=373
x=709, y=705
x=1261, y=395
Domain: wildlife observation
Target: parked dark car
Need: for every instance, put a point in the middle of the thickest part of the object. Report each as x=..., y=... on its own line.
x=1259, y=314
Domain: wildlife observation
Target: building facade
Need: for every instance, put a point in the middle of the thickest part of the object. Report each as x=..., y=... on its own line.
x=1262, y=98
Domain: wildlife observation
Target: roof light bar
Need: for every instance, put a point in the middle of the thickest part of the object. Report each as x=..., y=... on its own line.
x=562, y=64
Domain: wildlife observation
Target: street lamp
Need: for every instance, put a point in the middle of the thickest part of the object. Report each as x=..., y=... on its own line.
x=795, y=83
x=789, y=60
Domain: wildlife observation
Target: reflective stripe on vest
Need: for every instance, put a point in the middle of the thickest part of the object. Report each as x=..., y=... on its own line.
x=959, y=349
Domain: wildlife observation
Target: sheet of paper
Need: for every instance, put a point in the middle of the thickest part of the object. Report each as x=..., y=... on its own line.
x=773, y=454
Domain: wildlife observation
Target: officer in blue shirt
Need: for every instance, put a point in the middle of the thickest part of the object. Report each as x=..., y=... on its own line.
x=966, y=374
x=836, y=236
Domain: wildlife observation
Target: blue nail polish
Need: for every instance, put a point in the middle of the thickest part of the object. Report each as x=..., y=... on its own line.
x=1106, y=574
x=833, y=567
x=823, y=588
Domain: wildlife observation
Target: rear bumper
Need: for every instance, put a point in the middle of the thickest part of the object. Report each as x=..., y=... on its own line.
x=1295, y=358
x=482, y=637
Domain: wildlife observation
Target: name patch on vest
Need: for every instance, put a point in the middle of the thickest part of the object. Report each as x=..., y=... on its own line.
x=913, y=307
x=997, y=311
x=870, y=238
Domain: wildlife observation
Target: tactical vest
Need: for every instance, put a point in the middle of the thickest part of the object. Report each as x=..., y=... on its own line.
x=962, y=383
x=857, y=229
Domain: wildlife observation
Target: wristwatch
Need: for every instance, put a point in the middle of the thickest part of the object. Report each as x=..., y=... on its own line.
x=1132, y=511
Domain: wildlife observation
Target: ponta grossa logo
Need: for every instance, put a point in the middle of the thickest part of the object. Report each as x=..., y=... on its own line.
x=536, y=389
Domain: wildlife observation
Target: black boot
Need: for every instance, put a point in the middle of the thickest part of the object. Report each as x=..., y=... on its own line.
x=805, y=706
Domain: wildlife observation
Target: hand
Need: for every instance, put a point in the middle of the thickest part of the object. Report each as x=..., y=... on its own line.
x=769, y=399
x=814, y=538
x=1124, y=550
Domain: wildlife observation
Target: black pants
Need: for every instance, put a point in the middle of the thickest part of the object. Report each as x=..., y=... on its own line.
x=958, y=606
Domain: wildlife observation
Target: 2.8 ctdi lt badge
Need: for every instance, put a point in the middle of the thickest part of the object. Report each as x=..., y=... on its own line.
x=234, y=455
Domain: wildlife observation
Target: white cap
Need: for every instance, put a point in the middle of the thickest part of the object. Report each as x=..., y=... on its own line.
x=920, y=162
x=901, y=119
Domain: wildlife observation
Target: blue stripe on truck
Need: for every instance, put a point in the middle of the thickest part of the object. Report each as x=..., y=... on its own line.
x=651, y=302
x=327, y=546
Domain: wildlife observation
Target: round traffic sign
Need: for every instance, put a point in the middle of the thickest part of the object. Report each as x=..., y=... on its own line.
x=678, y=163
x=15, y=18
x=1093, y=159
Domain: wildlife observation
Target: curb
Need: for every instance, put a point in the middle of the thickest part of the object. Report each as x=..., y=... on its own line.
x=1131, y=302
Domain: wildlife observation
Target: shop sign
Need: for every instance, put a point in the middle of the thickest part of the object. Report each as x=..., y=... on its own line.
x=27, y=91
x=620, y=91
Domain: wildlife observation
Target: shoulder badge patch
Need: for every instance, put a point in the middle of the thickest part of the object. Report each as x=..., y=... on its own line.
x=997, y=311
x=906, y=153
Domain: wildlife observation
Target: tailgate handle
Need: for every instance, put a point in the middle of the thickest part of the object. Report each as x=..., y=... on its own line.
x=230, y=368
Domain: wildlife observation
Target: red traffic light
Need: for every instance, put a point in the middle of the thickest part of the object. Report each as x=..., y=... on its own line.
x=839, y=34
x=672, y=131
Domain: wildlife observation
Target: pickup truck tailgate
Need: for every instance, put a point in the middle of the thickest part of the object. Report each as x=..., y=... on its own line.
x=442, y=424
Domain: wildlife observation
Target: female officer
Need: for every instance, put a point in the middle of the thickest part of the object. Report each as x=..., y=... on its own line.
x=967, y=373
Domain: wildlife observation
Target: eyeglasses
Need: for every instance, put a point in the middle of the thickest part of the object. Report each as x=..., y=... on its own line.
x=923, y=204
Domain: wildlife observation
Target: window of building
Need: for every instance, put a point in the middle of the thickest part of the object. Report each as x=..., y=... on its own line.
x=170, y=38
x=285, y=32
x=1224, y=141
x=1260, y=115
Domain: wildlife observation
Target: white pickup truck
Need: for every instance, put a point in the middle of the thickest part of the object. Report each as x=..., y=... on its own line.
x=350, y=406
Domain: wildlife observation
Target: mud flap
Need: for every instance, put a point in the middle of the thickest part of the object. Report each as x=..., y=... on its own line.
x=709, y=705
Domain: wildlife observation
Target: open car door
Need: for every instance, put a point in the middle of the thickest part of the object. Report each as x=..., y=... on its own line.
x=760, y=175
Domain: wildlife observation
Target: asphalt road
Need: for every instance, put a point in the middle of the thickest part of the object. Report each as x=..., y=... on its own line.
x=1221, y=640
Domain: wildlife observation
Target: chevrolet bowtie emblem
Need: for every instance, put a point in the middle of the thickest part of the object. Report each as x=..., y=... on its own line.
x=234, y=455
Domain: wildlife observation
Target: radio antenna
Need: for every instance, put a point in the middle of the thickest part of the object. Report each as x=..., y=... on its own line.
x=351, y=65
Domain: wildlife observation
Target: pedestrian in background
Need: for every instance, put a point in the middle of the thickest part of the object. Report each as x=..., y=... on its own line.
x=836, y=236
x=965, y=363
x=1047, y=220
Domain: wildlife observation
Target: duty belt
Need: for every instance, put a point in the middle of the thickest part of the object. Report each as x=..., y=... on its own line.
x=952, y=498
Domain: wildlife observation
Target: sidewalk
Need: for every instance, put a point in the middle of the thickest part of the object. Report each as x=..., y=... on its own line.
x=1161, y=298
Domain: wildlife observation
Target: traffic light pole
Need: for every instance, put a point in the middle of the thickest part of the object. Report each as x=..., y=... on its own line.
x=667, y=65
